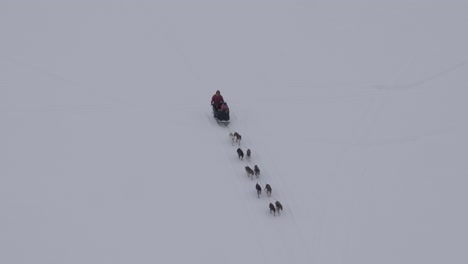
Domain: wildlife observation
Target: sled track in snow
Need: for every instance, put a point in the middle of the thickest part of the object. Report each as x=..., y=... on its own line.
x=262, y=180
x=265, y=178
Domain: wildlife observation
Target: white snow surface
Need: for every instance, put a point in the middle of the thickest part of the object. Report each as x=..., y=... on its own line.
x=355, y=112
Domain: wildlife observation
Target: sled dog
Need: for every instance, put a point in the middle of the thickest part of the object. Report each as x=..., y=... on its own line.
x=268, y=189
x=279, y=206
x=272, y=209
x=249, y=154
x=240, y=153
x=259, y=190
x=257, y=171
x=235, y=137
x=249, y=171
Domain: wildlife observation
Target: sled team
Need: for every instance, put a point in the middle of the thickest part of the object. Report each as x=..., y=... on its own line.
x=221, y=113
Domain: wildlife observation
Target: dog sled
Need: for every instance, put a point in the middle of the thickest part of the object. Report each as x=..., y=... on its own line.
x=221, y=116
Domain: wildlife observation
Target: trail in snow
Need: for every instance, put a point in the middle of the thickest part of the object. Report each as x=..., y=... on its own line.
x=285, y=229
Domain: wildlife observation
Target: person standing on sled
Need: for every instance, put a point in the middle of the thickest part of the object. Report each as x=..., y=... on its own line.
x=217, y=100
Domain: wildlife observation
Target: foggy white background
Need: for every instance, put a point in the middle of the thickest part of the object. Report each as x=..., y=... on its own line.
x=354, y=112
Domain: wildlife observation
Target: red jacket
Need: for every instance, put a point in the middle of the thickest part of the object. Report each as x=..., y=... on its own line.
x=216, y=99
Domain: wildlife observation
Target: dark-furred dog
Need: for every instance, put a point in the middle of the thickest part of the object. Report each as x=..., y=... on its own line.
x=268, y=189
x=272, y=209
x=249, y=153
x=279, y=206
x=257, y=171
x=240, y=153
x=259, y=190
x=249, y=171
